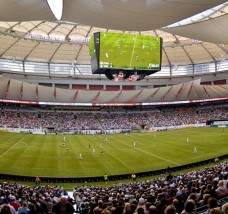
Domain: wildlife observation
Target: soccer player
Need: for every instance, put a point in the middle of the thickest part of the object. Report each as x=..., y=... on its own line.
x=94, y=150
x=134, y=144
x=80, y=156
x=64, y=140
x=37, y=181
x=106, y=178
x=133, y=177
x=106, y=55
x=67, y=149
x=102, y=152
x=187, y=140
x=195, y=150
x=137, y=58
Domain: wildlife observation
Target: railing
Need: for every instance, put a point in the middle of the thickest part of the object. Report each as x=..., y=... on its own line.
x=51, y=69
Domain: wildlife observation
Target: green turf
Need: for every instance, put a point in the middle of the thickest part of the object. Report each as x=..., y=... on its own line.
x=91, y=46
x=44, y=155
x=128, y=51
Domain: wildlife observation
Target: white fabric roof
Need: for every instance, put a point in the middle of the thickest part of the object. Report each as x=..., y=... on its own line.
x=21, y=19
x=213, y=30
x=118, y=14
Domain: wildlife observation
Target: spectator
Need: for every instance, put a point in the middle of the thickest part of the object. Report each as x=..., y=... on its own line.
x=63, y=207
x=170, y=210
x=24, y=208
x=225, y=208
x=7, y=207
x=189, y=207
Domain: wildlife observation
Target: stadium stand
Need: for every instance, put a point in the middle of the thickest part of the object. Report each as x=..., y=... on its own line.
x=14, y=92
x=53, y=53
x=45, y=94
x=71, y=120
x=108, y=97
x=63, y=97
x=190, y=91
x=183, y=192
x=28, y=92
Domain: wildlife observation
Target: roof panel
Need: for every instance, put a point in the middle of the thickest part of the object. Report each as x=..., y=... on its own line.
x=212, y=30
x=66, y=53
x=59, y=52
x=133, y=15
x=177, y=55
x=198, y=53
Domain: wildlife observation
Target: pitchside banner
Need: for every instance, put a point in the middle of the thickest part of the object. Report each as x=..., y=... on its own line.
x=108, y=104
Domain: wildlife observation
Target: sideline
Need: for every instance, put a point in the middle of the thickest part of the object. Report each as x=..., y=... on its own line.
x=147, y=153
x=12, y=147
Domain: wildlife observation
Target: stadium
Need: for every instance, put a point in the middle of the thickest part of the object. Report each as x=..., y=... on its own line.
x=138, y=118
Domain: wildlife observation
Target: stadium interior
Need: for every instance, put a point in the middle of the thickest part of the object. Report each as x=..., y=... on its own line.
x=148, y=142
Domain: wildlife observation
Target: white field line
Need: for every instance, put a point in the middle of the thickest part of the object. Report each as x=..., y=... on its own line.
x=100, y=145
x=12, y=147
x=117, y=158
x=149, y=153
x=133, y=52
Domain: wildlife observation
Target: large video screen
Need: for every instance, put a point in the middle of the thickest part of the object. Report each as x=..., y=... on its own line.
x=119, y=51
x=94, y=49
x=91, y=47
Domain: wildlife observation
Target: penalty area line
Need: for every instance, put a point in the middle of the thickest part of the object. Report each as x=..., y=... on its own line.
x=149, y=153
x=24, y=143
x=12, y=147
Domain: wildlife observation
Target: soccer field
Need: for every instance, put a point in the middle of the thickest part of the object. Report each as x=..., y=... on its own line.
x=126, y=51
x=45, y=155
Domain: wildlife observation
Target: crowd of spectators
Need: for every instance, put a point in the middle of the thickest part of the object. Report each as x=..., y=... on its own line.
x=71, y=120
x=185, y=193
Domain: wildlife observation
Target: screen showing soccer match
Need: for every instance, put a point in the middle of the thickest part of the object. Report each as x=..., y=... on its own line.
x=94, y=49
x=91, y=46
x=119, y=51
